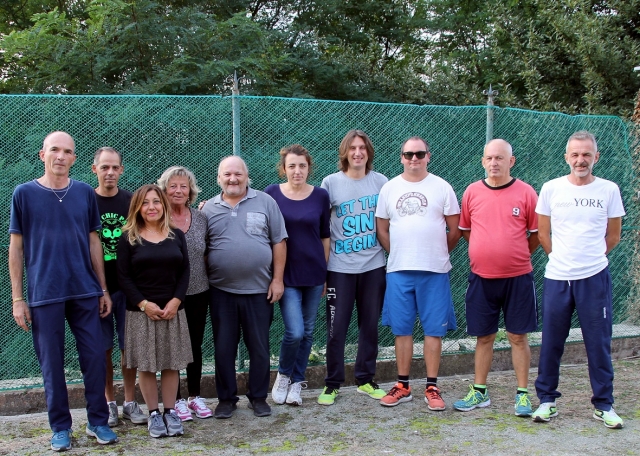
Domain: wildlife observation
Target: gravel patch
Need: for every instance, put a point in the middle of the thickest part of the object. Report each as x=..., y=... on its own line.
x=357, y=424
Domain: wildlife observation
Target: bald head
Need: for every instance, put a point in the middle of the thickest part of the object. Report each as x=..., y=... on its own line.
x=230, y=159
x=498, y=145
x=56, y=136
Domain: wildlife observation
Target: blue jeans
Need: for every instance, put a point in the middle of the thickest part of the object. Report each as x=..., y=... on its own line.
x=299, y=308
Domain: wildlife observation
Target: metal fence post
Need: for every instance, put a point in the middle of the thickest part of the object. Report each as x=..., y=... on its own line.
x=235, y=104
x=490, y=94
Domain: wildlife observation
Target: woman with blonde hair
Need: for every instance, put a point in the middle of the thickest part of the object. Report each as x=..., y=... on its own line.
x=181, y=188
x=153, y=271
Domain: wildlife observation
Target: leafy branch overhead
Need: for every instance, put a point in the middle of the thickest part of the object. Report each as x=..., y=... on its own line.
x=575, y=56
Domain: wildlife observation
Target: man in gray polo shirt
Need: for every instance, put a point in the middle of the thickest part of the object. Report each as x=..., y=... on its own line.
x=247, y=252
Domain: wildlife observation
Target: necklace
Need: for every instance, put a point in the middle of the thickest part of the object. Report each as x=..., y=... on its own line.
x=152, y=231
x=186, y=219
x=60, y=198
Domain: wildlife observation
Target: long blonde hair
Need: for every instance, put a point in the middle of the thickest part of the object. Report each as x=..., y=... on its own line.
x=135, y=222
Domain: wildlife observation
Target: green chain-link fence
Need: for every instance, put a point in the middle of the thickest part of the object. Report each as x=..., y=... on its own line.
x=155, y=132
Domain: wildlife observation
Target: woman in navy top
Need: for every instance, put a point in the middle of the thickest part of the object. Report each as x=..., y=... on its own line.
x=306, y=211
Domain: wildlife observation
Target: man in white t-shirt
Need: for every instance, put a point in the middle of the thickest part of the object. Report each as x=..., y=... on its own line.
x=413, y=214
x=584, y=213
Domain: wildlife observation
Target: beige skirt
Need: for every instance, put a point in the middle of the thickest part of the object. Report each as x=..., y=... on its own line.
x=153, y=346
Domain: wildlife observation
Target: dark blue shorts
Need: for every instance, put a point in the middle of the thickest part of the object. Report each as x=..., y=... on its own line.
x=118, y=312
x=515, y=296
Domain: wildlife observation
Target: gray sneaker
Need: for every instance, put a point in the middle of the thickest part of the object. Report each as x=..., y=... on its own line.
x=132, y=412
x=156, y=426
x=173, y=423
x=113, y=414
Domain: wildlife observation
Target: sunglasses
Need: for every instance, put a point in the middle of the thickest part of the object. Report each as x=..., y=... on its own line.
x=419, y=155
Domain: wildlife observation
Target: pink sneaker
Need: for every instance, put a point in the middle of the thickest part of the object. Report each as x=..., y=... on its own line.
x=182, y=410
x=201, y=410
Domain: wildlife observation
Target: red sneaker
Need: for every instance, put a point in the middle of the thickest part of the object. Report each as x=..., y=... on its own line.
x=433, y=399
x=397, y=395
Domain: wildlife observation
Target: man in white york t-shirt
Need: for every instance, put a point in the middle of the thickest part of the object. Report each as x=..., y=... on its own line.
x=414, y=210
x=583, y=212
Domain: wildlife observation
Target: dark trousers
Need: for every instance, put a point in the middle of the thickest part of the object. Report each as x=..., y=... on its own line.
x=47, y=328
x=591, y=298
x=367, y=291
x=252, y=315
x=195, y=309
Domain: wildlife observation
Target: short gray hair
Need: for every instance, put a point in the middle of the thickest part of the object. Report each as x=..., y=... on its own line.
x=96, y=156
x=180, y=171
x=582, y=135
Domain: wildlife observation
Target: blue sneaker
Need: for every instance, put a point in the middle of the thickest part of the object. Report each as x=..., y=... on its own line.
x=523, y=405
x=473, y=399
x=103, y=434
x=61, y=440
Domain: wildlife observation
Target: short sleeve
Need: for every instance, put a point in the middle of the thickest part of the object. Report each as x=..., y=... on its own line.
x=450, y=206
x=465, y=216
x=542, y=207
x=277, y=230
x=382, y=211
x=615, y=208
x=15, y=219
x=532, y=217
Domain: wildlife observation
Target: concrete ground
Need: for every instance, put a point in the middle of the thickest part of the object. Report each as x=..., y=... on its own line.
x=357, y=424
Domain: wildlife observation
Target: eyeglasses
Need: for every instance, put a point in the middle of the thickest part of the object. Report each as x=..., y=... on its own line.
x=419, y=155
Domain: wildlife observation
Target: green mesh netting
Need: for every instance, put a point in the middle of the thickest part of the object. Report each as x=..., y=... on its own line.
x=155, y=132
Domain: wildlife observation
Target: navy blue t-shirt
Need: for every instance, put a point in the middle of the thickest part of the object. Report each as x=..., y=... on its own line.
x=307, y=222
x=55, y=238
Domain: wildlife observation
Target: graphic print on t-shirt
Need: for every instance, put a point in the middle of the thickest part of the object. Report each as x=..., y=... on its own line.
x=412, y=203
x=358, y=225
x=111, y=231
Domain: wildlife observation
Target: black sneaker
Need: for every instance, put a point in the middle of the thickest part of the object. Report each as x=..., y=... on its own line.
x=224, y=409
x=260, y=407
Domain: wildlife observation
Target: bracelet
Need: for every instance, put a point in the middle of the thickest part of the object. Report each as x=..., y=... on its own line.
x=105, y=291
x=21, y=298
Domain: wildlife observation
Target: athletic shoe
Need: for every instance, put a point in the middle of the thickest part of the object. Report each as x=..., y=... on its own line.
x=113, y=414
x=473, y=399
x=133, y=412
x=328, y=396
x=280, y=388
x=610, y=418
x=372, y=390
x=545, y=412
x=103, y=434
x=173, y=423
x=198, y=406
x=156, y=426
x=397, y=395
x=523, y=405
x=433, y=398
x=260, y=407
x=182, y=410
x=224, y=409
x=293, y=396
x=61, y=440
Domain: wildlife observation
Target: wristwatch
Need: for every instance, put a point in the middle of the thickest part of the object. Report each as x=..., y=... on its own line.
x=143, y=305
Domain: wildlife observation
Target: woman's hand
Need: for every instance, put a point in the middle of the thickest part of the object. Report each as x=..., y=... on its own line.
x=153, y=311
x=171, y=309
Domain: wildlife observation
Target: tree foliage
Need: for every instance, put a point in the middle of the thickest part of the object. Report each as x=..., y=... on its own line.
x=566, y=55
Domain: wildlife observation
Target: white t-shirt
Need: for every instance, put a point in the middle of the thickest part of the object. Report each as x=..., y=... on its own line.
x=579, y=216
x=417, y=228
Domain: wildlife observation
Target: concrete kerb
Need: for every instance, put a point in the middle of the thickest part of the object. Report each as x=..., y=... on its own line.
x=32, y=400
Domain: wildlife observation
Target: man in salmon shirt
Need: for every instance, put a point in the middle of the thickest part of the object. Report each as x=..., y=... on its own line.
x=499, y=222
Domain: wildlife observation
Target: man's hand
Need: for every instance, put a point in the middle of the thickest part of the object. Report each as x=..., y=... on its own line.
x=105, y=305
x=21, y=314
x=276, y=290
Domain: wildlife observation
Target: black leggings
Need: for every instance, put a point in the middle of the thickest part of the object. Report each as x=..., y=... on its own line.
x=195, y=307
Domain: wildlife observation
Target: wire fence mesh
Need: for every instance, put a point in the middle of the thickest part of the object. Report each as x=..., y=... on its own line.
x=155, y=132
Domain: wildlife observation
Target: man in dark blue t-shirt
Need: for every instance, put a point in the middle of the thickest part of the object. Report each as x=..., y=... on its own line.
x=53, y=235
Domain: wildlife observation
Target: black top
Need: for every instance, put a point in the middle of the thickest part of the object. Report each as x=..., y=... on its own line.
x=155, y=272
x=113, y=215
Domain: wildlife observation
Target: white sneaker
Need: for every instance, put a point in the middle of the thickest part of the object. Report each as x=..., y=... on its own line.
x=294, y=398
x=182, y=410
x=280, y=388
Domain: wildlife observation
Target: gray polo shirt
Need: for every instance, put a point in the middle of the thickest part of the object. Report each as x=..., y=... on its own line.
x=240, y=241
